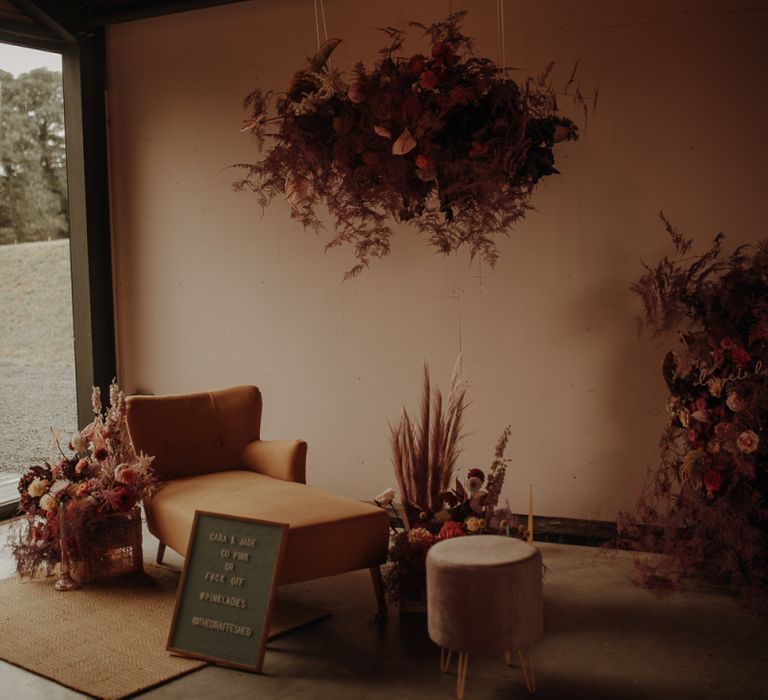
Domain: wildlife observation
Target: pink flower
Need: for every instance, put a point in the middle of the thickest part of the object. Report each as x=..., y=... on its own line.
x=126, y=474
x=451, y=529
x=84, y=488
x=422, y=537
x=356, y=92
x=734, y=402
x=747, y=442
x=81, y=466
x=428, y=80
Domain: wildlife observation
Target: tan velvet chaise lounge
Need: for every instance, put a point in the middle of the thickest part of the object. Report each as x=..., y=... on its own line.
x=208, y=450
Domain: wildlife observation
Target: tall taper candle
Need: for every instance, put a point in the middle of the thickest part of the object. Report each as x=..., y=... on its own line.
x=530, y=514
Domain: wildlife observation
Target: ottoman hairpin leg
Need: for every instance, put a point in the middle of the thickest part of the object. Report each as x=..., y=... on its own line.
x=461, y=679
x=445, y=659
x=461, y=669
x=526, y=664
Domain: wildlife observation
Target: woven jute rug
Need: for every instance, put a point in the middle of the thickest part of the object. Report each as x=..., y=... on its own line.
x=106, y=640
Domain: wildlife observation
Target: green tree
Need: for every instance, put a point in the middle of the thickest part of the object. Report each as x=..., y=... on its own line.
x=33, y=193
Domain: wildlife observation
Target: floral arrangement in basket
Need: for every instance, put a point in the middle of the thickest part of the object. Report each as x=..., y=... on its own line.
x=99, y=476
x=436, y=506
x=705, y=505
x=445, y=140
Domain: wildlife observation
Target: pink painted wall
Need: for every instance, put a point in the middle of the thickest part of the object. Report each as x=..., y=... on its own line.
x=211, y=292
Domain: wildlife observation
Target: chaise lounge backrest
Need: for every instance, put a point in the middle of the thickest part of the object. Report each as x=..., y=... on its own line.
x=196, y=433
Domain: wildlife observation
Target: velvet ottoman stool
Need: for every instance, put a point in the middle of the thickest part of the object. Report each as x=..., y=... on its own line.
x=484, y=594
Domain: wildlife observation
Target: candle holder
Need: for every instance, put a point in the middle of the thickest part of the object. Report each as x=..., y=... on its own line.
x=65, y=582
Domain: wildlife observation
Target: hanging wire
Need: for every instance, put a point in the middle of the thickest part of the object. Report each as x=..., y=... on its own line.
x=320, y=14
x=501, y=37
x=317, y=25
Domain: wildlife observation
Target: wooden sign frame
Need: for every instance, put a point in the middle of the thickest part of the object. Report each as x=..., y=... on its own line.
x=226, y=593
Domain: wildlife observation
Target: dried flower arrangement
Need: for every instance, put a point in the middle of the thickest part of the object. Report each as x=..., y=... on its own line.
x=102, y=476
x=445, y=140
x=424, y=456
x=705, y=505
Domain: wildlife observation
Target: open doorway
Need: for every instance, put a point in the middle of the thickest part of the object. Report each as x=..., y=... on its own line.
x=37, y=367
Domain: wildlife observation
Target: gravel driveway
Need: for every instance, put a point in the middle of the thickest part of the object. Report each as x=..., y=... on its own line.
x=37, y=375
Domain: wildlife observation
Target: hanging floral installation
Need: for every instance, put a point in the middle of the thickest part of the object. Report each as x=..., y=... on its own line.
x=444, y=140
x=706, y=505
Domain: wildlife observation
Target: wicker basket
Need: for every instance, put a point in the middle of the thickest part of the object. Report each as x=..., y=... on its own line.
x=109, y=546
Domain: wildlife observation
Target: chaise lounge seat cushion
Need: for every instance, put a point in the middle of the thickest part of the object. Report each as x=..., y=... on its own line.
x=328, y=534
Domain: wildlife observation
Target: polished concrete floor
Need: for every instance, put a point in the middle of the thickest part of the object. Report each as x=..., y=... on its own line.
x=604, y=639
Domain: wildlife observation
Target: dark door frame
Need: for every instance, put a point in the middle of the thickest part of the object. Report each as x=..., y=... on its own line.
x=77, y=31
x=84, y=86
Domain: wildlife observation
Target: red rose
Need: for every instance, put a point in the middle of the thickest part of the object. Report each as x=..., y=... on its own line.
x=726, y=343
x=451, y=529
x=416, y=64
x=699, y=404
x=712, y=480
x=443, y=52
x=693, y=437
x=739, y=355
x=478, y=148
x=423, y=162
x=412, y=109
x=428, y=80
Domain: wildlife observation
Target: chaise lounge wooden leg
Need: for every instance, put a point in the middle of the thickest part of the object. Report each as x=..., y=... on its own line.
x=160, y=552
x=378, y=588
